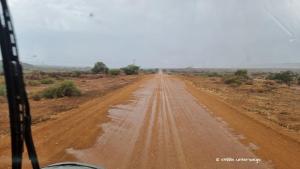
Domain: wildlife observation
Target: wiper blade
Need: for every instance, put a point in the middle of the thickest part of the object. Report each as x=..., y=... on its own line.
x=19, y=111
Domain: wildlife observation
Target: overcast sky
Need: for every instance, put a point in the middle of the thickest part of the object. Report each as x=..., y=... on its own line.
x=158, y=33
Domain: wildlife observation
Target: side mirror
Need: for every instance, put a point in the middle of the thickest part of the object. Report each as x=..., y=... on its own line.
x=71, y=165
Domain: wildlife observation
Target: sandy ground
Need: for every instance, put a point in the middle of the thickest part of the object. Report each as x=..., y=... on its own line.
x=280, y=147
x=274, y=102
x=161, y=125
x=77, y=128
x=43, y=110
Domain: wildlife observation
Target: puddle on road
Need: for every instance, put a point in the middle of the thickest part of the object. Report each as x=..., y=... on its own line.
x=116, y=143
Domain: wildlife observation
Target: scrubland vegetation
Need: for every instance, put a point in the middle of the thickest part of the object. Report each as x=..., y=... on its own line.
x=287, y=77
x=237, y=78
x=242, y=76
x=53, y=92
x=272, y=95
x=63, y=89
x=50, y=85
x=114, y=72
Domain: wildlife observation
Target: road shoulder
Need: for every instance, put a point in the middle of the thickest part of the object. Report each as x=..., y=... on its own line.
x=281, y=150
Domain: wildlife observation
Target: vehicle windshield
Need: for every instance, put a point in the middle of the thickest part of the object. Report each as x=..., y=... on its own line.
x=160, y=84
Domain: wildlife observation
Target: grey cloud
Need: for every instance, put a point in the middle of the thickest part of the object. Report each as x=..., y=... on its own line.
x=158, y=33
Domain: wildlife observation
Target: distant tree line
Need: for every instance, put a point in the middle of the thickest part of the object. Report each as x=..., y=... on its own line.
x=100, y=67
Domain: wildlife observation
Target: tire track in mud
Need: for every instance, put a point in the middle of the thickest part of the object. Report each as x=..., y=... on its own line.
x=144, y=139
x=165, y=128
x=173, y=127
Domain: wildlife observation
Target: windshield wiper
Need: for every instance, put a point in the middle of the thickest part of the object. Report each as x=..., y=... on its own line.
x=19, y=110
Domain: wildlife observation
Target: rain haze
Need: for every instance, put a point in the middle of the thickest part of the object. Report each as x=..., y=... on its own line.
x=158, y=33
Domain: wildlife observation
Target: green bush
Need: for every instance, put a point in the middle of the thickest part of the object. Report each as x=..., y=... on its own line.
x=99, y=67
x=2, y=90
x=114, y=72
x=286, y=77
x=233, y=80
x=239, y=77
x=66, y=88
x=131, y=69
x=241, y=73
x=47, y=81
x=33, y=83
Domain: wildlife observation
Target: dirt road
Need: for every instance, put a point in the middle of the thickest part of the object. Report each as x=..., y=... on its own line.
x=156, y=123
x=165, y=128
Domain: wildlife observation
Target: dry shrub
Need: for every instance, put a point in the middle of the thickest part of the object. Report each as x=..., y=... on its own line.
x=64, y=89
x=239, y=77
x=47, y=81
x=286, y=77
x=114, y=72
x=233, y=80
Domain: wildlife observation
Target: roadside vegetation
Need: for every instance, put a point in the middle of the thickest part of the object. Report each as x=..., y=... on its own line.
x=131, y=69
x=242, y=76
x=273, y=95
x=114, y=72
x=234, y=79
x=39, y=82
x=52, y=85
x=57, y=86
x=238, y=78
x=63, y=89
x=100, y=67
x=286, y=77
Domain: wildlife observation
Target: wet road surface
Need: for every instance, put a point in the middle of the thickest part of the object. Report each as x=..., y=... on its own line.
x=164, y=127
